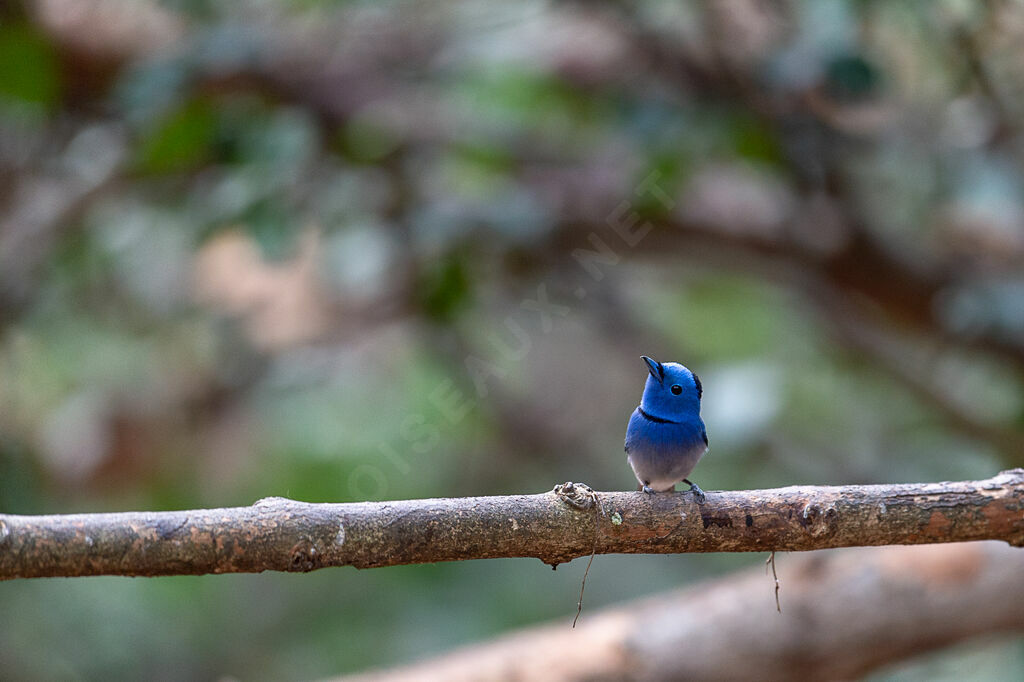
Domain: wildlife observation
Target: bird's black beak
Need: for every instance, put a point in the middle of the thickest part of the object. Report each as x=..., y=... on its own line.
x=655, y=368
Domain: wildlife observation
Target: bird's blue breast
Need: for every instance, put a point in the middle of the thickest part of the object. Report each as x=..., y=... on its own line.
x=652, y=433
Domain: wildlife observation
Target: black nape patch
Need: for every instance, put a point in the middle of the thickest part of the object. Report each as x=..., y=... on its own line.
x=700, y=389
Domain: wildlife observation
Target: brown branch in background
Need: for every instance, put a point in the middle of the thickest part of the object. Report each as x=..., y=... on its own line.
x=283, y=535
x=847, y=613
x=907, y=360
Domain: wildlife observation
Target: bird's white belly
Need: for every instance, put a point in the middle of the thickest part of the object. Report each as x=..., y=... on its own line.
x=662, y=478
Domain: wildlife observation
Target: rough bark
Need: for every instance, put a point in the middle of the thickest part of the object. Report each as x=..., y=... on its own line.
x=284, y=535
x=844, y=614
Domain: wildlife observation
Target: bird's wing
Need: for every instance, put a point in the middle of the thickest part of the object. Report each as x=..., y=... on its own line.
x=704, y=435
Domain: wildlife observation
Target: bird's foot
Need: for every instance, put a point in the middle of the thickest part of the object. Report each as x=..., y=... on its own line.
x=698, y=494
x=647, y=489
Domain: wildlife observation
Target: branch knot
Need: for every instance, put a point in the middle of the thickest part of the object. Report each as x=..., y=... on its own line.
x=304, y=557
x=819, y=521
x=578, y=495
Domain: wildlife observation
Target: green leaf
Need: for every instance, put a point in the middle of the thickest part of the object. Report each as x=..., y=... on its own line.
x=852, y=77
x=445, y=289
x=363, y=140
x=270, y=224
x=754, y=140
x=182, y=141
x=29, y=68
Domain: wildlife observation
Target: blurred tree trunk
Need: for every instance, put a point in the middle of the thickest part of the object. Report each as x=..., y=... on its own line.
x=844, y=614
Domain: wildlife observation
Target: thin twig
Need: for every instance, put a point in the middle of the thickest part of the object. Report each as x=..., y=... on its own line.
x=771, y=562
x=583, y=583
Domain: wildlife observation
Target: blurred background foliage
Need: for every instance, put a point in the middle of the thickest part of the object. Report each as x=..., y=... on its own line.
x=294, y=247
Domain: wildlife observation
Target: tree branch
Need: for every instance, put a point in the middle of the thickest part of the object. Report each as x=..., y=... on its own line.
x=844, y=614
x=284, y=535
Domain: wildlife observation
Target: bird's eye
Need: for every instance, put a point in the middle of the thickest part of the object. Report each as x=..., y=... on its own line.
x=676, y=389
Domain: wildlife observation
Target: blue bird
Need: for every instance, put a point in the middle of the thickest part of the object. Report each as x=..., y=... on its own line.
x=666, y=436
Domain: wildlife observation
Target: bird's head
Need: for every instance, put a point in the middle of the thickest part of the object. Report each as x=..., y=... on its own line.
x=672, y=391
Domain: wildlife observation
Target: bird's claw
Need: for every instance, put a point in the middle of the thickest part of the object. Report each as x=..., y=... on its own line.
x=698, y=494
x=647, y=489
